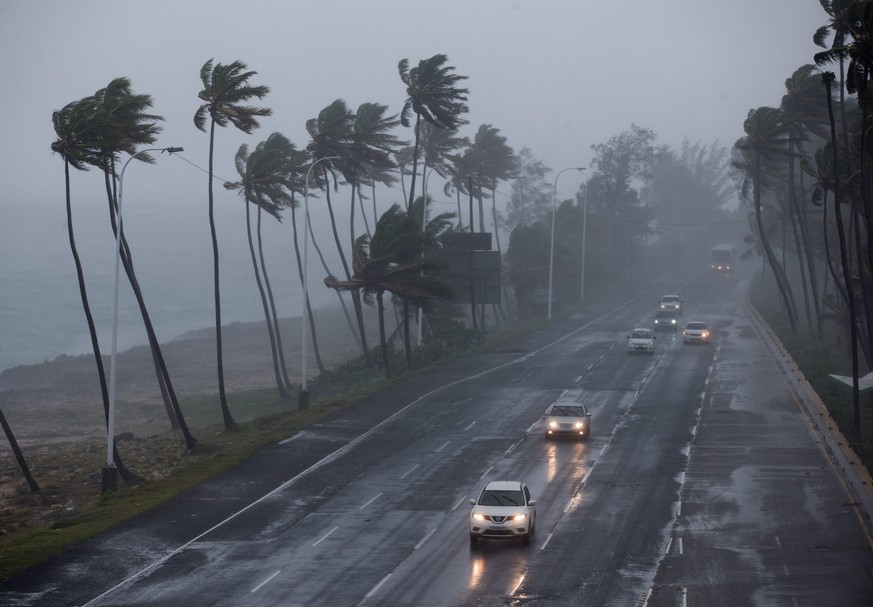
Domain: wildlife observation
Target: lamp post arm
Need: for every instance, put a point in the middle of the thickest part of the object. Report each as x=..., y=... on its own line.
x=552, y=239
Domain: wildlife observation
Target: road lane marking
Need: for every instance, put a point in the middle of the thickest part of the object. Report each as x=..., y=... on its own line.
x=424, y=539
x=377, y=586
x=408, y=472
x=325, y=536
x=455, y=507
x=486, y=472
x=262, y=584
x=443, y=446
x=371, y=500
x=470, y=426
x=548, y=539
x=669, y=545
x=681, y=547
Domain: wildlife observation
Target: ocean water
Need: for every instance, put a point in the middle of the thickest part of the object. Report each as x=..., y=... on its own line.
x=41, y=314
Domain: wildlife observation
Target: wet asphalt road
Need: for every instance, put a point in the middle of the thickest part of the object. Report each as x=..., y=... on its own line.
x=704, y=483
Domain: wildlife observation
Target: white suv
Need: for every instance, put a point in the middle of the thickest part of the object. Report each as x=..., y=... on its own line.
x=504, y=510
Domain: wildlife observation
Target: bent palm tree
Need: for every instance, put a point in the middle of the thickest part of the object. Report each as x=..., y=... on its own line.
x=432, y=94
x=225, y=90
x=379, y=267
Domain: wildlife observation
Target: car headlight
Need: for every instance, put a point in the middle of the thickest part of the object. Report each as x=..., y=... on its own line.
x=518, y=517
x=706, y=333
x=579, y=425
x=553, y=424
x=673, y=321
x=478, y=517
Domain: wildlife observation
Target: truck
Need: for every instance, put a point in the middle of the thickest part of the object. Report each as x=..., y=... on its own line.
x=721, y=258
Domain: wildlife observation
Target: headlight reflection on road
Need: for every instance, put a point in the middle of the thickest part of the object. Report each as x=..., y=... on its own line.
x=477, y=570
x=552, y=459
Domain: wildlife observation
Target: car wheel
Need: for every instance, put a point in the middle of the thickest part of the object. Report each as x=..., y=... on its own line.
x=474, y=540
x=525, y=539
x=532, y=533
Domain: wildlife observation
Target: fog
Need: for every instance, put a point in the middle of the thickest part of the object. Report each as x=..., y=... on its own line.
x=556, y=76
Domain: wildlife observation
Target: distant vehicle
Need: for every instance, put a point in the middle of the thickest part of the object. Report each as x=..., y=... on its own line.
x=670, y=302
x=568, y=419
x=504, y=510
x=666, y=320
x=721, y=258
x=641, y=340
x=696, y=332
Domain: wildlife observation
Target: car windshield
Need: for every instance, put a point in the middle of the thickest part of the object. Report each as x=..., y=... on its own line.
x=568, y=411
x=501, y=498
x=696, y=325
x=641, y=335
x=670, y=298
x=666, y=314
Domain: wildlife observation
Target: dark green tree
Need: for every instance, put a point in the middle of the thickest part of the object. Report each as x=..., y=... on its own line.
x=225, y=92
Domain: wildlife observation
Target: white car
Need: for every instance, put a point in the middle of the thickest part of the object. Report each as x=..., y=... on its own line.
x=641, y=340
x=671, y=302
x=568, y=419
x=696, y=332
x=504, y=510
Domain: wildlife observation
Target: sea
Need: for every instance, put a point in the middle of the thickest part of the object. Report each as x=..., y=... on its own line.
x=41, y=311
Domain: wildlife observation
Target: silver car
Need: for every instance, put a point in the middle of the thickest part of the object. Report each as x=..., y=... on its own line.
x=641, y=340
x=504, y=510
x=696, y=332
x=568, y=419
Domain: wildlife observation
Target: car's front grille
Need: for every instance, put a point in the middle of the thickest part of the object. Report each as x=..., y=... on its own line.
x=498, y=519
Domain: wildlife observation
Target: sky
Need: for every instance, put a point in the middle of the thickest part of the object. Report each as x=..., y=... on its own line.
x=556, y=76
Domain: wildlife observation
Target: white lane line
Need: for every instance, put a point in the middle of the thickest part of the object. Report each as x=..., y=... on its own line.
x=371, y=500
x=443, y=446
x=669, y=545
x=681, y=547
x=324, y=537
x=470, y=426
x=408, y=472
x=456, y=506
x=262, y=584
x=424, y=539
x=377, y=586
x=486, y=472
x=578, y=379
x=546, y=543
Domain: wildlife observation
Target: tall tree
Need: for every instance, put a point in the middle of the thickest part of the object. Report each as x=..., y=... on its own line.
x=432, y=94
x=531, y=195
x=225, y=91
x=264, y=180
x=764, y=147
x=380, y=266
x=80, y=132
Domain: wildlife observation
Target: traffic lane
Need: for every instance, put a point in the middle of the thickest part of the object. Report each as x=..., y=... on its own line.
x=449, y=571
x=606, y=549
x=765, y=517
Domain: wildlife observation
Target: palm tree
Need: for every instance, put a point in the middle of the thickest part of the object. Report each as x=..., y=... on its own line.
x=380, y=267
x=432, y=94
x=764, y=144
x=129, y=127
x=225, y=90
x=264, y=179
x=80, y=133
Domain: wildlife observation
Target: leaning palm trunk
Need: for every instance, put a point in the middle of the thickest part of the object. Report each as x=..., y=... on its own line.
x=283, y=393
x=280, y=349
x=126, y=475
x=19, y=456
x=309, y=316
x=219, y=357
x=383, y=343
x=828, y=77
x=356, y=300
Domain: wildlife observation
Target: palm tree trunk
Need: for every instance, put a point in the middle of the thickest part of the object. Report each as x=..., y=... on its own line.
x=229, y=422
x=280, y=350
x=411, y=198
x=309, y=316
x=383, y=344
x=847, y=278
x=280, y=387
x=19, y=456
x=126, y=475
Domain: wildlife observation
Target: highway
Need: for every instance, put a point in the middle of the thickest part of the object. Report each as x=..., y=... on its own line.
x=704, y=483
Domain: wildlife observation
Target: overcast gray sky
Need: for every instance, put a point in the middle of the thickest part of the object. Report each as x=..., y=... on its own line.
x=554, y=75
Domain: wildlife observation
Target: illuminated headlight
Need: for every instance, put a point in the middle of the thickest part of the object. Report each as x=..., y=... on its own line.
x=579, y=425
x=478, y=517
x=518, y=517
x=706, y=334
x=553, y=424
x=673, y=321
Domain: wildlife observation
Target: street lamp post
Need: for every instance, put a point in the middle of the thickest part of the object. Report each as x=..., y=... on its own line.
x=552, y=243
x=303, y=395
x=110, y=472
x=584, y=231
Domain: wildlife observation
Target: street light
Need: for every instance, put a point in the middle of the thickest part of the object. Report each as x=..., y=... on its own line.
x=303, y=396
x=552, y=244
x=584, y=225
x=110, y=472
